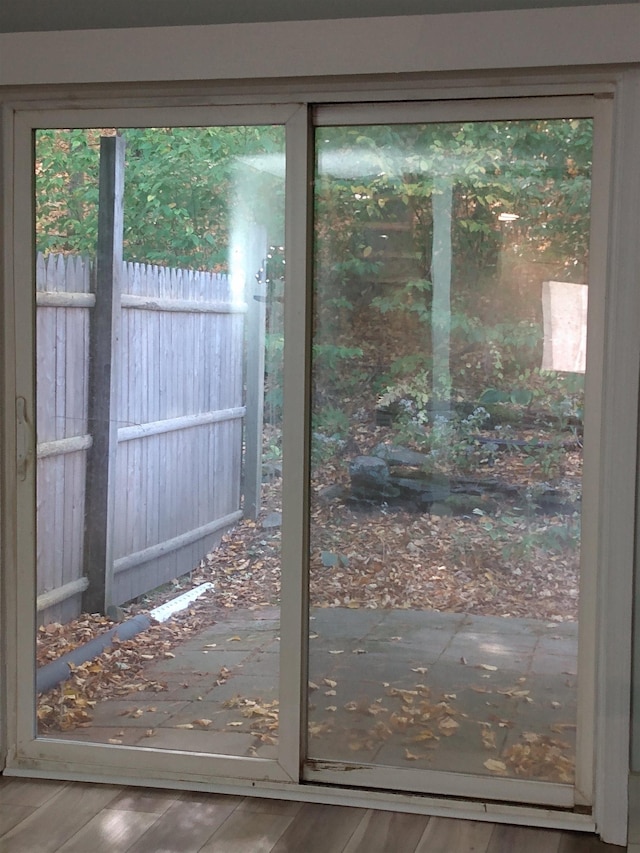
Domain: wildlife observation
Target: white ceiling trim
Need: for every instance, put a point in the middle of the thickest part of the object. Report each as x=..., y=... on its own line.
x=531, y=38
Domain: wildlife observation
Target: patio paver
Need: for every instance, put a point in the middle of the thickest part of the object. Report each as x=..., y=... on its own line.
x=512, y=676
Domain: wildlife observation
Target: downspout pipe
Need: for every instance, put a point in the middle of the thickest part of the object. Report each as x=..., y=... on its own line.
x=51, y=674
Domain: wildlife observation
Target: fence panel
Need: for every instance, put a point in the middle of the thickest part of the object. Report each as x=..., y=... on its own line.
x=64, y=303
x=180, y=424
x=179, y=410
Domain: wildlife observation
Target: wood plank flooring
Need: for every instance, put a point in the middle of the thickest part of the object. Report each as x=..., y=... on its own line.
x=74, y=817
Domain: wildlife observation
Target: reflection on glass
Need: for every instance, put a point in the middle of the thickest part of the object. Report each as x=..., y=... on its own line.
x=451, y=267
x=173, y=366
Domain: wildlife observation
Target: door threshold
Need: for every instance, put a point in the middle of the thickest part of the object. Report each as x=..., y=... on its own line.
x=458, y=809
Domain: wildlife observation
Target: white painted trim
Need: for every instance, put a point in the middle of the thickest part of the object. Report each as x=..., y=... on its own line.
x=530, y=38
x=8, y=616
x=592, y=497
x=19, y=569
x=476, y=109
x=41, y=754
x=155, y=116
x=295, y=550
x=442, y=783
x=619, y=470
x=457, y=784
x=23, y=664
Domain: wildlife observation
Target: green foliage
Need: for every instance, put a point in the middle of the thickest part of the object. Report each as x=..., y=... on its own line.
x=548, y=456
x=332, y=422
x=410, y=299
x=374, y=241
x=523, y=541
x=335, y=372
x=183, y=187
x=273, y=396
x=517, y=396
x=67, y=165
x=411, y=388
x=329, y=431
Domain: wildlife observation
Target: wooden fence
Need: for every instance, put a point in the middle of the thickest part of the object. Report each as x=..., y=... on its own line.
x=178, y=407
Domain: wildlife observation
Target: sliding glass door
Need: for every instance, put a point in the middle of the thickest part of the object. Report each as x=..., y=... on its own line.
x=450, y=294
x=307, y=482
x=156, y=438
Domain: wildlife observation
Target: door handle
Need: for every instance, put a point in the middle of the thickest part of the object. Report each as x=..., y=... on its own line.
x=24, y=439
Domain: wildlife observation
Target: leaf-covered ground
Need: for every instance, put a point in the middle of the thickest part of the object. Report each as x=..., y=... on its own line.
x=361, y=556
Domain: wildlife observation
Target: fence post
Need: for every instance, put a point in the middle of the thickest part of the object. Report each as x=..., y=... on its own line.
x=103, y=375
x=255, y=337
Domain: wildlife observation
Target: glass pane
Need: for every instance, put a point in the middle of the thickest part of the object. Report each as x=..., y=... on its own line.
x=158, y=421
x=451, y=265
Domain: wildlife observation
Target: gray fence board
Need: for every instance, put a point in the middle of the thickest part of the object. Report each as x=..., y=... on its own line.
x=62, y=327
x=179, y=409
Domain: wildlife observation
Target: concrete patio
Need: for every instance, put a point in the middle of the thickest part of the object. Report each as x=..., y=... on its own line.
x=446, y=691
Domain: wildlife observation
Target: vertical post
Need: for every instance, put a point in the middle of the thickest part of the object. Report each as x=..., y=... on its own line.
x=256, y=292
x=441, y=296
x=103, y=375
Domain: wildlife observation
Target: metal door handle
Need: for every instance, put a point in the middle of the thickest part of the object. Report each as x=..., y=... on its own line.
x=24, y=438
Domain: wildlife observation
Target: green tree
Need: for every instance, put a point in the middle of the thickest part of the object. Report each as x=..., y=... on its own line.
x=180, y=190
x=375, y=198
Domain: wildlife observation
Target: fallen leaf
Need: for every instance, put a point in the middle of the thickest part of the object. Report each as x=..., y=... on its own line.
x=425, y=734
x=513, y=692
x=488, y=738
x=316, y=729
x=448, y=726
x=495, y=766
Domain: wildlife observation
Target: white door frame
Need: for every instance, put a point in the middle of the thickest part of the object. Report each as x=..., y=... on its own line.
x=615, y=550
x=50, y=751
x=457, y=784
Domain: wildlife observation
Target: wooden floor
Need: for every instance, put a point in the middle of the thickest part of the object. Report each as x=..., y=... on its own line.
x=73, y=817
